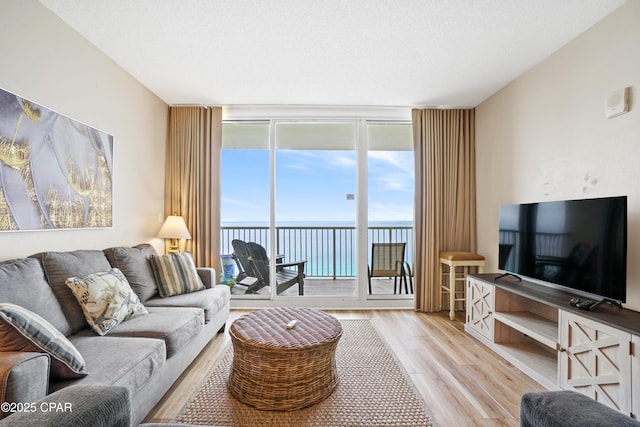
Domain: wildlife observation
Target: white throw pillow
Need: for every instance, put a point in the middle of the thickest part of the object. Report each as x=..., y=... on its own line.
x=106, y=299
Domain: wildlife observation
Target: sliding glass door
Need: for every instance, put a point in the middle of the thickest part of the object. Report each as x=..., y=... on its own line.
x=314, y=197
x=245, y=201
x=315, y=204
x=390, y=183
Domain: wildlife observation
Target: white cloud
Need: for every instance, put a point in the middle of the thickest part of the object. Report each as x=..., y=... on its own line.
x=312, y=159
x=391, y=170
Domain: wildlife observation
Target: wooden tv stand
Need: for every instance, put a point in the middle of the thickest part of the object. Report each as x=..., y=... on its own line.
x=560, y=346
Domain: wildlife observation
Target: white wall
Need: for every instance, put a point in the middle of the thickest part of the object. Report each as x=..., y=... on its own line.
x=545, y=136
x=46, y=62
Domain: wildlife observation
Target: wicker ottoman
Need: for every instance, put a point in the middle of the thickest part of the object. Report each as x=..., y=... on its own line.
x=279, y=369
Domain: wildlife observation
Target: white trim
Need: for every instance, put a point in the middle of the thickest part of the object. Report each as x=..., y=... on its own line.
x=362, y=211
x=272, y=209
x=333, y=303
x=314, y=112
x=360, y=117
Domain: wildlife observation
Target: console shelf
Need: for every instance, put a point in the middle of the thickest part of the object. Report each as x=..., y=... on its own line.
x=534, y=327
x=537, y=327
x=534, y=360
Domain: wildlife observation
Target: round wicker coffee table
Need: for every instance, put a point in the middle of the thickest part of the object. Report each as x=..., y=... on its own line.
x=278, y=368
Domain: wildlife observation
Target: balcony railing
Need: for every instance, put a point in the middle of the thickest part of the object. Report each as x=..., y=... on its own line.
x=330, y=251
x=543, y=244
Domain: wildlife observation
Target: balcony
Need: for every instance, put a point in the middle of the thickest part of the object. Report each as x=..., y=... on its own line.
x=330, y=252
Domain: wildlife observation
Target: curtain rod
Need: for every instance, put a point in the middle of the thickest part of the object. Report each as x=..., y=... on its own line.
x=439, y=107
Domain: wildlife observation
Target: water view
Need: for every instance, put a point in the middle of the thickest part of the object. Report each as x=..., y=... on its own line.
x=328, y=247
x=309, y=175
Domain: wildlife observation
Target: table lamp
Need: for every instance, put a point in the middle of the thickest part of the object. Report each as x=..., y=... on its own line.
x=174, y=228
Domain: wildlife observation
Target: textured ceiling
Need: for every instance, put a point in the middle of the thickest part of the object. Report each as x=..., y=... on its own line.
x=329, y=52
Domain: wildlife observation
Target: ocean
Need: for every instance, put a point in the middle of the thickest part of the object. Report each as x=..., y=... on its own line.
x=329, y=247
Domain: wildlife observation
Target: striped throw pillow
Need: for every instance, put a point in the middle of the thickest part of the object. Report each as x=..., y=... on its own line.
x=24, y=330
x=175, y=274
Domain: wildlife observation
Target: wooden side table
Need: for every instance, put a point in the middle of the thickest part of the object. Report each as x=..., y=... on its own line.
x=455, y=260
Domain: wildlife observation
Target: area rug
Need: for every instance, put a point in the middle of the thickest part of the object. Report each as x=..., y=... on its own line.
x=374, y=390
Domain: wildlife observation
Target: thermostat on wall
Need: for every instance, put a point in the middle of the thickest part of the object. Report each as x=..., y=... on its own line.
x=617, y=103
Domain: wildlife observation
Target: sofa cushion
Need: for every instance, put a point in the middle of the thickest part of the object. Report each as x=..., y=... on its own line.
x=23, y=330
x=22, y=282
x=122, y=361
x=134, y=264
x=567, y=408
x=106, y=299
x=211, y=300
x=175, y=326
x=93, y=405
x=175, y=274
x=59, y=266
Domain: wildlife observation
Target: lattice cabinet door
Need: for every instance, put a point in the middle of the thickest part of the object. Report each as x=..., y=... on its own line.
x=595, y=360
x=480, y=307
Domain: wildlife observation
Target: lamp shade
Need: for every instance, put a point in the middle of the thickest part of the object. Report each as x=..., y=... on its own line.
x=174, y=227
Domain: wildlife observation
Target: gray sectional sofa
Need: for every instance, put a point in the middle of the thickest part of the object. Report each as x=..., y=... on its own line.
x=144, y=354
x=568, y=408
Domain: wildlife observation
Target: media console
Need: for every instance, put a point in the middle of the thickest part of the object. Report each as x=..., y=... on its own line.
x=560, y=346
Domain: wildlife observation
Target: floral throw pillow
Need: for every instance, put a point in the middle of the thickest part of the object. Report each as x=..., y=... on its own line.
x=106, y=299
x=24, y=330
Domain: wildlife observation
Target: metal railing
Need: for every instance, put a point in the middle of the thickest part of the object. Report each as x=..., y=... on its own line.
x=543, y=244
x=330, y=251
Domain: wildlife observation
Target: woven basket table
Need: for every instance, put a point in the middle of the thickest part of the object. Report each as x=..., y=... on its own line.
x=279, y=369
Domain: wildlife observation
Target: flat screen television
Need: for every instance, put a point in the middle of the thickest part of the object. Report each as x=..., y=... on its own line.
x=577, y=244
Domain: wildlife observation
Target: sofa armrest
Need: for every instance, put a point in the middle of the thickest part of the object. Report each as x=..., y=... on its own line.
x=24, y=377
x=208, y=276
x=79, y=406
x=568, y=409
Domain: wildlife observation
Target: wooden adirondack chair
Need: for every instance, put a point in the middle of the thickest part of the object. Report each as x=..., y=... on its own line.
x=285, y=275
x=246, y=269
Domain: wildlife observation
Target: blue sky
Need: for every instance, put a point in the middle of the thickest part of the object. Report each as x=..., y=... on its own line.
x=312, y=185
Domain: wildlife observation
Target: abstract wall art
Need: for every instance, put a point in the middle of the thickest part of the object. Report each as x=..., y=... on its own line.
x=55, y=173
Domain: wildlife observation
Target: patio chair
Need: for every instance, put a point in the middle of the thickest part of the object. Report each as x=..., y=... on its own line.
x=285, y=276
x=246, y=270
x=409, y=273
x=387, y=260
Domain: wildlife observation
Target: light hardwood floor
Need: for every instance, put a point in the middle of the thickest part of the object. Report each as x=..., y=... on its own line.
x=462, y=382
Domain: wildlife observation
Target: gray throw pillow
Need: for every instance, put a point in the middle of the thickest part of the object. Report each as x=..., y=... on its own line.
x=59, y=266
x=134, y=264
x=22, y=282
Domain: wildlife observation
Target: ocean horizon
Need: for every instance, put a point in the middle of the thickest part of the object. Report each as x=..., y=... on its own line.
x=327, y=246
x=234, y=224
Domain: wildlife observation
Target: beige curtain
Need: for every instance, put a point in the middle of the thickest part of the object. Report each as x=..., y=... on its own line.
x=192, y=178
x=445, y=202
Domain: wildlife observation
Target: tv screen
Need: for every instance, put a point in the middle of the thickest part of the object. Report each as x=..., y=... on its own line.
x=579, y=244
